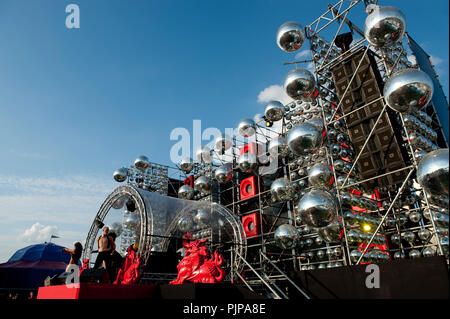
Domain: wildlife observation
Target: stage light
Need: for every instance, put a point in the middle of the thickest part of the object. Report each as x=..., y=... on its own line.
x=367, y=227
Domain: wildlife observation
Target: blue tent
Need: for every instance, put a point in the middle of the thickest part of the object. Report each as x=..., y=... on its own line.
x=28, y=267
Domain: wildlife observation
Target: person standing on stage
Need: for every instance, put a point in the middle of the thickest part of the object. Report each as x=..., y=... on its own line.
x=106, y=247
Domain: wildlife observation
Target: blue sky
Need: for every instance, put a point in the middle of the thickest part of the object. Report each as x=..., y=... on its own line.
x=77, y=103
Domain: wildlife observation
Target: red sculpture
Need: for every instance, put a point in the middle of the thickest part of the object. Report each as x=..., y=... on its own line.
x=129, y=273
x=197, y=266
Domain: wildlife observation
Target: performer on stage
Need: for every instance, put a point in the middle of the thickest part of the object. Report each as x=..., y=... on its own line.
x=106, y=247
x=75, y=254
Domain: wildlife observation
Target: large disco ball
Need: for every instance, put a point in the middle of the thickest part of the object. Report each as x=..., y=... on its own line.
x=320, y=175
x=187, y=165
x=131, y=221
x=332, y=232
x=432, y=172
x=384, y=26
x=223, y=173
x=120, y=175
x=203, y=184
x=285, y=236
x=203, y=154
x=185, y=224
x=274, y=111
x=281, y=190
x=290, y=36
x=317, y=208
x=247, y=127
x=142, y=163
x=278, y=147
x=186, y=192
x=318, y=122
x=202, y=217
x=407, y=90
x=299, y=82
x=304, y=138
x=247, y=163
x=222, y=143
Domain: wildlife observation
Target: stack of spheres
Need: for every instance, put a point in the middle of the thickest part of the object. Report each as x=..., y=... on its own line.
x=384, y=26
x=408, y=90
x=286, y=236
x=304, y=138
x=299, y=83
x=432, y=172
x=317, y=208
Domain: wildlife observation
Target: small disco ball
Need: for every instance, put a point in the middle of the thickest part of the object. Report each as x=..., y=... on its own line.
x=320, y=175
x=202, y=217
x=298, y=83
x=120, y=175
x=186, y=192
x=432, y=172
x=304, y=138
x=309, y=242
x=317, y=208
x=415, y=217
x=142, y=163
x=384, y=26
x=290, y=36
x=131, y=221
x=119, y=203
x=395, y=238
x=318, y=241
x=399, y=255
x=274, y=111
x=203, y=154
x=424, y=234
x=285, y=236
x=321, y=266
x=116, y=228
x=185, y=224
x=414, y=254
x=408, y=90
x=222, y=143
x=429, y=252
x=282, y=190
x=278, y=147
x=203, y=184
x=247, y=127
x=187, y=165
x=247, y=163
x=224, y=173
x=320, y=254
x=332, y=232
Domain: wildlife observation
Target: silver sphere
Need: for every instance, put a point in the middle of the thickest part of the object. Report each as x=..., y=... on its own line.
x=320, y=175
x=429, y=252
x=203, y=184
x=318, y=122
x=299, y=82
x=384, y=26
x=222, y=143
x=407, y=90
x=282, y=190
x=320, y=254
x=409, y=236
x=118, y=203
x=285, y=236
x=187, y=165
x=304, y=138
x=290, y=36
x=415, y=217
x=317, y=208
x=424, y=234
x=131, y=221
x=274, y=111
x=185, y=224
x=414, y=254
x=247, y=163
x=120, y=175
x=142, y=163
x=186, y=192
x=278, y=147
x=202, y=217
x=247, y=127
x=399, y=255
x=116, y=228
x=223, y=173
x=203, y=154
x=432, y=172
x=332, y=232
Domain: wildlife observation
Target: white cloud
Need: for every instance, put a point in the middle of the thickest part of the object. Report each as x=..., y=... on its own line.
x=38, y=233
x=435, y=60
x=411, y=58
x=274, y=92
x=302, y=54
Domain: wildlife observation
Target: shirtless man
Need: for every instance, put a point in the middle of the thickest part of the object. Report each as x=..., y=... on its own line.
x=106, y=247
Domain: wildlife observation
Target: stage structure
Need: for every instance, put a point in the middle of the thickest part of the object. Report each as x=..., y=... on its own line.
x=354, y=170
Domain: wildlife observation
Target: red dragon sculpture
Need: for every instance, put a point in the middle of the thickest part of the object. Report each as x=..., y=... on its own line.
x=197, y=267
x=129, y=274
